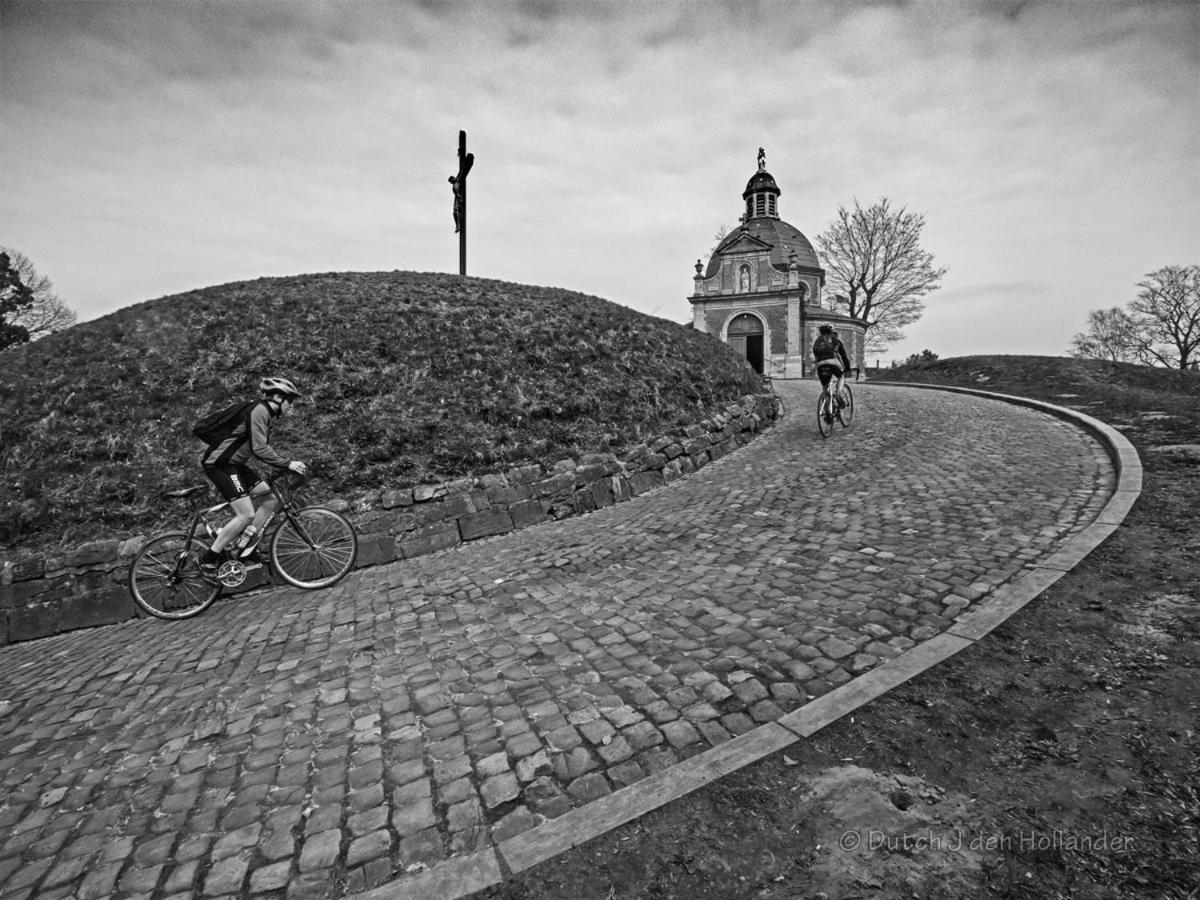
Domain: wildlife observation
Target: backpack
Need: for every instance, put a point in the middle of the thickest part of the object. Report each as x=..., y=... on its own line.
x=825, y=347
x=217, y=426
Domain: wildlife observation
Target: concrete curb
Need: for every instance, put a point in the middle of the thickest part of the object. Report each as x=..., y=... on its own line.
x=460, y=876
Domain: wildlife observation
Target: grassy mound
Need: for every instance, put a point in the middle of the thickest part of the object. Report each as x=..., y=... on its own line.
x=409, y=378
x=1118, y=388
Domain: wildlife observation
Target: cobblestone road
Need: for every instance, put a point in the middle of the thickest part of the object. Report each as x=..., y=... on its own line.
x=300, y=744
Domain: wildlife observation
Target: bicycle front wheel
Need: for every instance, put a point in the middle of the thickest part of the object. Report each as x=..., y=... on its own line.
x=314, y=548
x=846, y=413
x=824, y=414
x=165, y=578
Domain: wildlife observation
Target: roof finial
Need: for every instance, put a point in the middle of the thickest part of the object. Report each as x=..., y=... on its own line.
x=762, y=160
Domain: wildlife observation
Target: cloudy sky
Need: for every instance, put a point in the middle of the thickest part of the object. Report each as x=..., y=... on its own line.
x=148, y=148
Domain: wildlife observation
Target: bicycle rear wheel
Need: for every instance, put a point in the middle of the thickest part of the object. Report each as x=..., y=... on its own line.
x=824, y=414
x=846, y=413
x=314, y=547
x=165, y=578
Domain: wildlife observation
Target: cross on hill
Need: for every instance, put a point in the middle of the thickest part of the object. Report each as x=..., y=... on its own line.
x=458, y=184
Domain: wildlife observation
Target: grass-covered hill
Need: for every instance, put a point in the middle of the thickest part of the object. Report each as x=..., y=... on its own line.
x=1119, y=389
x=409, y=377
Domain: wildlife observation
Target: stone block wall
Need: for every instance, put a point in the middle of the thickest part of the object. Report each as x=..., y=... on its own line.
x=777, y=323
x=81, y=587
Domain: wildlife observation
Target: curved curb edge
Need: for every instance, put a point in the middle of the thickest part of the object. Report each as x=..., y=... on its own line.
x=460, y=876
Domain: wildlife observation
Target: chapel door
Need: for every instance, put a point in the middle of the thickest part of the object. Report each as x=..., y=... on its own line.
x=745, y=336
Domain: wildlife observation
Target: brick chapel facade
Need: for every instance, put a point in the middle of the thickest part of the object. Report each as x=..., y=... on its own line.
x=762, y=290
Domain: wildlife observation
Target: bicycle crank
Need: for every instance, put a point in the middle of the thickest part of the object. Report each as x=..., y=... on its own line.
x=232, y=573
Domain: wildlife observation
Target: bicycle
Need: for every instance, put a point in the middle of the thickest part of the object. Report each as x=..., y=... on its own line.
x=310, y=547
x=842, y=412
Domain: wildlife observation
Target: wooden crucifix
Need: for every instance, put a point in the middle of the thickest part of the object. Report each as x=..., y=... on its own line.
x=458, y=184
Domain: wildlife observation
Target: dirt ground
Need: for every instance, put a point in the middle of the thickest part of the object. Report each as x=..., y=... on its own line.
x=1058, y=757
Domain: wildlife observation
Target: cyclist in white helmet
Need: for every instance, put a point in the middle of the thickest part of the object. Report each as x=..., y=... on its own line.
x=227, y=465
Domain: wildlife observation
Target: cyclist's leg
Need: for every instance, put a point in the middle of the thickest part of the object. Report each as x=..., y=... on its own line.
x=260, y=492
x=835, y=371
x=827, y=371
x=245, y=545
x=243, y=515
x=228, y=482
x=824, y=402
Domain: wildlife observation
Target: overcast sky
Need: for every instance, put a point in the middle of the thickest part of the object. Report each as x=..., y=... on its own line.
x=152, y=148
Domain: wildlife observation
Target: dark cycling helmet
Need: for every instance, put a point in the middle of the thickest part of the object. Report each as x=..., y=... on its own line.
x=278, y=385
x=826, y=329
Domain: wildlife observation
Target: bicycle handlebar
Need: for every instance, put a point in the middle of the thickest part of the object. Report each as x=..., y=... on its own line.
x=291, y=478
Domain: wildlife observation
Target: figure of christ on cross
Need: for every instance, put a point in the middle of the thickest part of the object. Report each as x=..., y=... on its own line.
x=458, y=203
x=458, y=184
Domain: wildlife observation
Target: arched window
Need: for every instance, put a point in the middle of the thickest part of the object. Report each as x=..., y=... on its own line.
x=745, y=324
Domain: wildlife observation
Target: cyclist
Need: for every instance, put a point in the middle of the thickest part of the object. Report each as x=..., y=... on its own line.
x=227, y=466
x=832, y=361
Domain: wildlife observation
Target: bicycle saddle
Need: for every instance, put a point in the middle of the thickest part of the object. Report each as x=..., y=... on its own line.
x=184, y=493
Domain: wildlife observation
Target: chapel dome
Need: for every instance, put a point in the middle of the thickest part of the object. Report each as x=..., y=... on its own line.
x=783, y=238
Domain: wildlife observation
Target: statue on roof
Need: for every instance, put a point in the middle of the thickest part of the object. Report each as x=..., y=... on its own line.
x=762, y=160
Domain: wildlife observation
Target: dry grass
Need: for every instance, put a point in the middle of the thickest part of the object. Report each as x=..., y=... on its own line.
x=411, y=377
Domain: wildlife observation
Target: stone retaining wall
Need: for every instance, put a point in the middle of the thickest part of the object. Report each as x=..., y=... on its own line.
x=65, y=589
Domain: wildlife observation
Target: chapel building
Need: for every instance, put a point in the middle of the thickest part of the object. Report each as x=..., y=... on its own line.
x=762, y=290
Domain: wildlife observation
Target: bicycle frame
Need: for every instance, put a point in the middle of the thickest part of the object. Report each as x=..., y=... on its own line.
x=284, y=505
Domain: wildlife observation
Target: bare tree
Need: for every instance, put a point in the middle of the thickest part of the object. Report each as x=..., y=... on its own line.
x=44, y=312
x=877, y=268
x=718, y=236
x=1113, y=335
x=1168, y=313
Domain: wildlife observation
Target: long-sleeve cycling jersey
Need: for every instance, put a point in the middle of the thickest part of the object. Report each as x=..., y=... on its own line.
x=838, y=354
x=250, y=439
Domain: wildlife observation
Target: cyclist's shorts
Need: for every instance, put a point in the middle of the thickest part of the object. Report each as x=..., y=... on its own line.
x=828, y=369
x=233, y=480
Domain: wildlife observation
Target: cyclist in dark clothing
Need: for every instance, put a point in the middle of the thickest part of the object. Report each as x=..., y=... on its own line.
x=227, y=465
x=832, y=359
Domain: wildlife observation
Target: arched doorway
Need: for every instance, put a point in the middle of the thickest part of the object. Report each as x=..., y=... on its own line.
x=745, y=336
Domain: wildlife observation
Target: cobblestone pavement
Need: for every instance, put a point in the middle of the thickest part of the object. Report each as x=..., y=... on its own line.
x=299, y=744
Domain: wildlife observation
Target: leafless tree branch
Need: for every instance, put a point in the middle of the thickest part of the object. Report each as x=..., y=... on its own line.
x=874, y=260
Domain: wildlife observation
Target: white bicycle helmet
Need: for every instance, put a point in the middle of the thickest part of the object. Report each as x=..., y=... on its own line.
x=278, y=385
